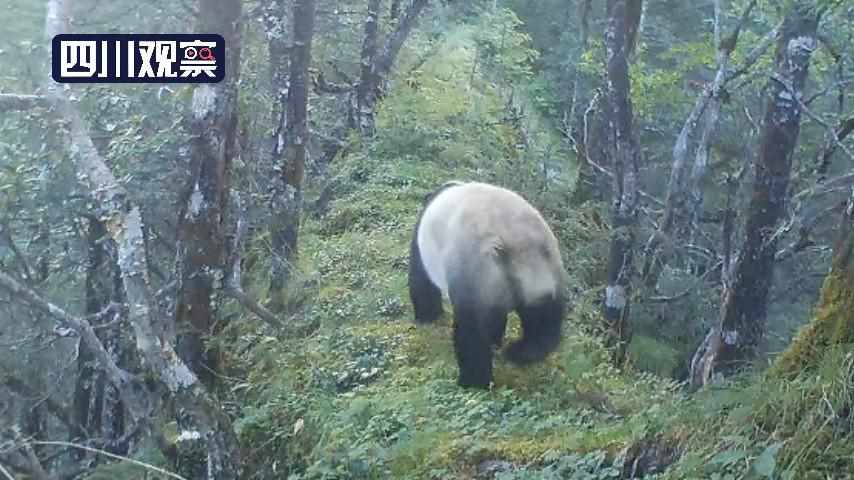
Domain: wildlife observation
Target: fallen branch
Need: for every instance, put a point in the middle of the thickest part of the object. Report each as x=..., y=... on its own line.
x=121, y=458
x=232, y=284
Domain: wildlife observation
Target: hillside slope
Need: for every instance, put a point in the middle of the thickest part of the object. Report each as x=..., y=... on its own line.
x=366, y=394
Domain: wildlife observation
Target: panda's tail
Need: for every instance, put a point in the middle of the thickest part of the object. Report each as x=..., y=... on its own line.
x=541, y=331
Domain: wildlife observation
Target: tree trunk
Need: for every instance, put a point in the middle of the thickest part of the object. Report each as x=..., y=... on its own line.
x=97, y=406
x=206, y=439
x=286, y=202
x=376, y=64
x=585, y=123
x=200, y=236
x=394, y=10
x=362, y=116
x=625, y=152
x=88, y=388
x=276, y=28
x=745, y=296
x=832, y=323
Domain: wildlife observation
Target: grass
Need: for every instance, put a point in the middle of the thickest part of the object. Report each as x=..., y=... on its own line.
x=370, y=395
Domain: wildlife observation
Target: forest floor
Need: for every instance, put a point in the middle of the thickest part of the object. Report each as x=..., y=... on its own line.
x=370, y=395
x=367, y=394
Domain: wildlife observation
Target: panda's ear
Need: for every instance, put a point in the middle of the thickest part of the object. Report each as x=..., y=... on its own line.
x=427, y=197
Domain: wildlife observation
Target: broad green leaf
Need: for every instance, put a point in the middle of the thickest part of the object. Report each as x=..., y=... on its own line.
x=766, y=462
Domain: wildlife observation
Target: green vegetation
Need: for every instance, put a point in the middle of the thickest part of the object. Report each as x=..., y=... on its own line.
x=352, y=389
x=370, y=395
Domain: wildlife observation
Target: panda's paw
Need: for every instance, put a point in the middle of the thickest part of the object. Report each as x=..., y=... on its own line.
x=466, y=382
x=523, y=353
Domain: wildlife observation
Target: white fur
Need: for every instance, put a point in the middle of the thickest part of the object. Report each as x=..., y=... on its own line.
x=496, y=225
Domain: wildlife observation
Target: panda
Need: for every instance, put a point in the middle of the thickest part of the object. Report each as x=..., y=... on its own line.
x=490, y=252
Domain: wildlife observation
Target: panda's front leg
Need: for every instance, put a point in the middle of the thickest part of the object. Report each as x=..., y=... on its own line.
x=473, y=348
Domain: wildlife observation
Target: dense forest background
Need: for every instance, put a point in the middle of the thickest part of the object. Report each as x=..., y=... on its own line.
x=209, y=281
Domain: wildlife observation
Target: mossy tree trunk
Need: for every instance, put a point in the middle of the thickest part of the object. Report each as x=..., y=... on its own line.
x=833, y=320
x=741, y=323
x=376, y=63
x=286, y=202
x=624, y=150
x=201, y=238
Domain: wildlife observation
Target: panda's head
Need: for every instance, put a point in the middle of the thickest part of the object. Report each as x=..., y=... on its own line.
x=494, y=236
x=490, y=252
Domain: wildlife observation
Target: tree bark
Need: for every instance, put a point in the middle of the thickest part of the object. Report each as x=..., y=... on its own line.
x=200, y=237
x=394, y=10
x=742, y=317
x=205, y=433
x=368, y=86
x=625, y=152
x=586, y=187
x=286, y=201
x=376, y=64
x=276, y=29
x=97, y=408
x=832, y=323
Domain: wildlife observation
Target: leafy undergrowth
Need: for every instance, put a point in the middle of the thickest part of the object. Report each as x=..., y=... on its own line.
x=367, y=394
x=370, y=395
x=768, y=427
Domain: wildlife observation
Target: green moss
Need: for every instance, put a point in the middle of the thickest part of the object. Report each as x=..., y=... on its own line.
x=833, y=321
x=651, y=355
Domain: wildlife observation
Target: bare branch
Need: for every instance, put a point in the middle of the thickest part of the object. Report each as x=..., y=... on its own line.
x=232, y=282
x=398, y=37
x=753, y=56
x=35, y=465
x=834, y=135
x=684, y=191
x=81, y=326
x=11, y=102
x=253, y=306
x=6, y=473
x=641, y=193
x=58, y=410
x=824, y=91
x=687, y=291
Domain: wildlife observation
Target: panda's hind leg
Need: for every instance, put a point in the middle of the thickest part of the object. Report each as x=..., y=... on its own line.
x=497, y=325
x=541, y=331
x=426, y=298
